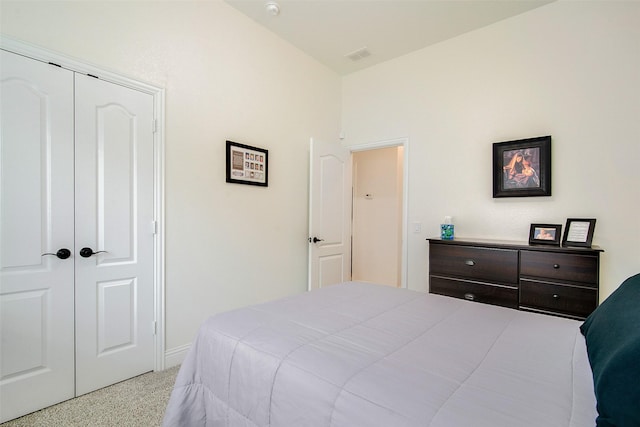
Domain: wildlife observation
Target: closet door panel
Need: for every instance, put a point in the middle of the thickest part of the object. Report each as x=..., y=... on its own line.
x=36, y=205
x=114, y=214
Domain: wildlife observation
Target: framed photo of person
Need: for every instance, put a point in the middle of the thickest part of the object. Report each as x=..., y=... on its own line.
x=247, y=164
x=579, y=232
x=545, y=234
x=522, y=168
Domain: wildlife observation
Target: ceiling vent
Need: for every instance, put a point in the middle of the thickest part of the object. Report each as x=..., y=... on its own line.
x=363, y=52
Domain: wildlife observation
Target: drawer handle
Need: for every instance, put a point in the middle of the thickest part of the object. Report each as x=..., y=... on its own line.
x=470, y=262
x=469, y=297
x=556, y=296
x=556, y=266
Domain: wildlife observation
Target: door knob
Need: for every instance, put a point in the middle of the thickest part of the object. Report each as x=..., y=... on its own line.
x=63, y=253
x=87, y=252
x=315, y=240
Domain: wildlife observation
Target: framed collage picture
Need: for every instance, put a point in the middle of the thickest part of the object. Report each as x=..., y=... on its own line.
x=247, y=165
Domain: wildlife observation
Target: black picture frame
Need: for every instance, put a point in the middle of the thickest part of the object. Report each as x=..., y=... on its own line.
x=579, y=232
x=545, y=234
x=247, y=165
x=522, y=168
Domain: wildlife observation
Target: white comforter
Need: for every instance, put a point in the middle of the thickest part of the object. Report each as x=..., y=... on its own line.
x=359, y=354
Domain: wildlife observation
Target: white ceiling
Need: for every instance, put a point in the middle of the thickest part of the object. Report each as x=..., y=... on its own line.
x=328, y=30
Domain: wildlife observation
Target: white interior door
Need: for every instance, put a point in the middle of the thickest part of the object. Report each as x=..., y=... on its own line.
x=114, y=213
x=329, y=215
x=36, y=217
x=77, y=321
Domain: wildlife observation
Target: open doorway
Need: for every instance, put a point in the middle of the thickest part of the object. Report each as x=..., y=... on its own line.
x=331, y=219
x=378, y=225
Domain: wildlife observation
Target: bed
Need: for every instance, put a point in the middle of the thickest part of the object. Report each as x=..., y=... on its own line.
x=359, y=354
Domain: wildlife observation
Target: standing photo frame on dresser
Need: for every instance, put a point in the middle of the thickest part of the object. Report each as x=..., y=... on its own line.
x=579, y=232
x=545, y=234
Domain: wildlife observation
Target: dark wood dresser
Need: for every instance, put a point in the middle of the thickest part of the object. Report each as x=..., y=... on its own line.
x=560, y=281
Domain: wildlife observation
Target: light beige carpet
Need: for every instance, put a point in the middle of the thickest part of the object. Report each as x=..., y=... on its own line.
x=138, y=402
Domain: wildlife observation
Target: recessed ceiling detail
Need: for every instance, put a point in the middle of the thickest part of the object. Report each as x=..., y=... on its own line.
x=358, y=54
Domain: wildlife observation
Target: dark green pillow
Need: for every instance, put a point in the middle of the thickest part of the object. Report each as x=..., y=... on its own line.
x=612, y=333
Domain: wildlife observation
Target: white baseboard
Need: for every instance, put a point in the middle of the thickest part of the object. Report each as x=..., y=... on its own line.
x=176, y=355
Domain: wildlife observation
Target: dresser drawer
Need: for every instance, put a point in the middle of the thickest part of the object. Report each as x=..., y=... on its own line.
x=561, y=267
x=478, y=292
x=486, y=264
x=568, y=300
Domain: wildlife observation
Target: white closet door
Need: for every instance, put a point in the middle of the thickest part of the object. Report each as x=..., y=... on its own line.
x=36, y=205
x=114, y=214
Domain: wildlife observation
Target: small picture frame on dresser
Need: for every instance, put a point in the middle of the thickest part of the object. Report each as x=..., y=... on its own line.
x=545, y=234
x=579, y=232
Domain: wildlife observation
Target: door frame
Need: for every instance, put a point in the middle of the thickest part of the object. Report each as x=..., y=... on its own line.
x=38, y=53
x=397, y=142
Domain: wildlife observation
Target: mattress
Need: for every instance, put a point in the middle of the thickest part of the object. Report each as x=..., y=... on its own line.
x=359, y=354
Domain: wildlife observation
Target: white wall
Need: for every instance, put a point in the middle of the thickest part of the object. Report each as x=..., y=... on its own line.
x=227, y=245
x=568, y=69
